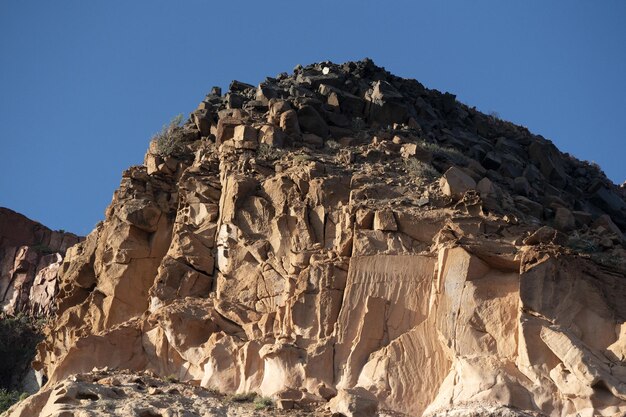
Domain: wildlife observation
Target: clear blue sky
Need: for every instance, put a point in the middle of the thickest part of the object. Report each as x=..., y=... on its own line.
x=84, y=84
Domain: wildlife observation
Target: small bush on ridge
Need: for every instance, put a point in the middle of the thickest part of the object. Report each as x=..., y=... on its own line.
x=170, y=139
x=418, y=169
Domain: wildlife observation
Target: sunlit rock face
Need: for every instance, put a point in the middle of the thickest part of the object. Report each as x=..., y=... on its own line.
x=344, y=237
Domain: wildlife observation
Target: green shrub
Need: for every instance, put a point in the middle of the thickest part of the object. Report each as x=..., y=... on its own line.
x=443, y=152
x=247, y=397
x=418, y=169
x=269, y=153
x=170, y=139
x=332, y=144
x=8, y=398
x=171, y=378
x=262, y=403
x=302, y=157
x=18, y=341
x=494, y=115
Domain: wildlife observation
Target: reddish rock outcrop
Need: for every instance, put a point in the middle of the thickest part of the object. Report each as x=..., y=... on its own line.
x=30, y=258
x=334, y=269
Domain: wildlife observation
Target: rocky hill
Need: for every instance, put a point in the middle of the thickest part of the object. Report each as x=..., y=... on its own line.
x=344, y=239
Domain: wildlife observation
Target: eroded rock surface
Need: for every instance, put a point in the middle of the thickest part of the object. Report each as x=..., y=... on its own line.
x=345, y=235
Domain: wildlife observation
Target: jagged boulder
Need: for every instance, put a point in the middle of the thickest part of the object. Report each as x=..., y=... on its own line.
x=354, y=403
x=455, y=183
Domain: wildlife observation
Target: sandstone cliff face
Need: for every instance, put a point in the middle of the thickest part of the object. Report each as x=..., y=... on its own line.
x=348, y=236
x=30, y=258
